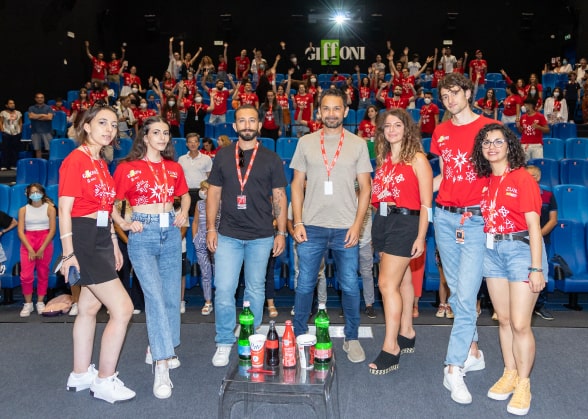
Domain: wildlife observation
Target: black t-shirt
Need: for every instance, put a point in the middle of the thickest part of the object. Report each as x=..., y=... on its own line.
x=267, y=173
x=548, y=204
x=5, y=220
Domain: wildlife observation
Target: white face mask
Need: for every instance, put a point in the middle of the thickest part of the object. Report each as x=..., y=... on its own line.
x=171, y=103
x=427, y=101
x=143, y=105
x=198, y=99
x=202, y=195
x=555, y=94
x=135, y=90
x=523, y=109
x=313, y=80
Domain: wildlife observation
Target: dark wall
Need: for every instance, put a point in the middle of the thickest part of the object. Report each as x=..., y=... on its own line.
x=38, y=55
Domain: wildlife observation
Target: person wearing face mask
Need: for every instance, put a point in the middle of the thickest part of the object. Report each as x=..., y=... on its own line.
x=10, y=133
x=565, y=67
x=429, y=116
x=220, y=97
x=439, y=72
x=205, y=260
x=195, y=115
x=556, y=108
x=142, y=112
x=532, y=126
x=36, y=228
x=171, y=112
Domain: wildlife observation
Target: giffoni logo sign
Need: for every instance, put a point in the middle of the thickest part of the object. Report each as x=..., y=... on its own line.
x=332, y=52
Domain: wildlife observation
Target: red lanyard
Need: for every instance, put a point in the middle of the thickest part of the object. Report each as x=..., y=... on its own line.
x=242, y=181
x=164, y=186
x=100, y=172
x=493, y=209
x=328, y=166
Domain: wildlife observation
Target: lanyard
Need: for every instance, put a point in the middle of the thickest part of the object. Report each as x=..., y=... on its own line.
x=328, y=166
x=493, y=210
x=242, y=181
x=101, y=175
x=164, y=186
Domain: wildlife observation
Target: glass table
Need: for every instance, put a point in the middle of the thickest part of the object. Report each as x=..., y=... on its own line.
x=243, y=394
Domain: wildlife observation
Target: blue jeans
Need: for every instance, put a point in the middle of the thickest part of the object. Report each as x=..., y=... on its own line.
x=156, y=255
x=230, y=255
x=310, y=255
x=462, y=264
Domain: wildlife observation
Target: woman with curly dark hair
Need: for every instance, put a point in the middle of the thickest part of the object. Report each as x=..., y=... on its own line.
x=402, y=193
x=515, y=257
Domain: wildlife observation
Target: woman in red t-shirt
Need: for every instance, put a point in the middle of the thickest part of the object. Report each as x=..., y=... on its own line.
x=402, y=193
x=90, y=248
x=150, y=179
x=515, y=259
x=488, y=104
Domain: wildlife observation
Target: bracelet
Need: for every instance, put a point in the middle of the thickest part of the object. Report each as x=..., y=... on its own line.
x=63, y=236
x=282, y=233
x=535, y=269
x=64, y=258
x=298, y=224
x=211, y=231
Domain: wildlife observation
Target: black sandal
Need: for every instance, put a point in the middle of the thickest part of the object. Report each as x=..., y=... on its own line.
x=385, y=363
x=406, y=344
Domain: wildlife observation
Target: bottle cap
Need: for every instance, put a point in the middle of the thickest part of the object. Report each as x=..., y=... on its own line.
x=272, y=323
x=246, y=304
x=322, y=306
x=288, y=322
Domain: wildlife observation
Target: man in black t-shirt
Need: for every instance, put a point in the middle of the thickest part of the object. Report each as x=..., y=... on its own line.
x=247, y=184
x=7, y=223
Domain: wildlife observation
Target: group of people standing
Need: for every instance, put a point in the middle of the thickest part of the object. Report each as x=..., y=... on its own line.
x=482, y=208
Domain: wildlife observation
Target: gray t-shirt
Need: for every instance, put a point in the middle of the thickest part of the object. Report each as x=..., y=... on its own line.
x=339, y=209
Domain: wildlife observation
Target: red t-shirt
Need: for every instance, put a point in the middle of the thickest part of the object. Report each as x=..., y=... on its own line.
x=222, y=66
x=437, y=75
x=190, y=84
x=283, y=101
x=368, y=129
x=486, y=105
x=510, y=105
x=88, y=181
x=242, y=65
x=130, y=79
x=314, y=126
x=114, y=67
x=248, y=98
x=99, y=68
x=407, y=87
x=78, y=105
x=530, y=135
x=393, y=103
x=478, y=68
x=220, y=100
x=396, y=183
x=60, y=109
x=269, y=121
x=428, y=113
x=303, y=103
x=136, y=182
x=365, y=93
x=142, y=114
x=461, y=186
x=504, y=203
x=96, y=95
x=169, y=84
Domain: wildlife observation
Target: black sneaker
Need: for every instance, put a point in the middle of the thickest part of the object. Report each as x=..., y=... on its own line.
x=370, y=312
x=544, y=314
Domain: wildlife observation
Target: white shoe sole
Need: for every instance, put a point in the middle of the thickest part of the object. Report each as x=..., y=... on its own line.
x=448, y=387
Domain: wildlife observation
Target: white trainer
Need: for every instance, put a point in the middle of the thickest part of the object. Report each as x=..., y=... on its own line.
x=473, y=363
x=73, y=311
x=40, y=308
x=221, y=356
x=27, y=309
x=172, y=363
x=83, y=381
x=454, y=383
x=162, y=385
x=111, y=389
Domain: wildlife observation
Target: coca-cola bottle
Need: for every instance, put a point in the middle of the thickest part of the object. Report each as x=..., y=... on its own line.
x=272, y=346
x=288, y=346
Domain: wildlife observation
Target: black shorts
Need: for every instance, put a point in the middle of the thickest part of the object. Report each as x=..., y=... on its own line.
x=94, y=251
x=395, y=234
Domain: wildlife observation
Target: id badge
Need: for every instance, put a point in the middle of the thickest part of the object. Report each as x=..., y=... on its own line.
x=102, y=219
x=328, y=187
x=164, y=220
x=430, y=214
x=241, y=202
x=489, y=241
x=196, y=118
x=383, y=209
x=459, y=236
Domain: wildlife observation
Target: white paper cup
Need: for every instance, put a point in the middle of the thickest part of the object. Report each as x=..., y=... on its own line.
x=305, y=344
x=257, y=344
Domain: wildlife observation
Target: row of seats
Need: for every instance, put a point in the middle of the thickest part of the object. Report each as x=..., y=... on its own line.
x=565, y=171
x=58, y=124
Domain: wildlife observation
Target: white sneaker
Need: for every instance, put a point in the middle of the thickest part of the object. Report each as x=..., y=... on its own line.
x=454, y=383
x=40, y=308
x=111, y=389
x=221, y=356
x=207, y=309
x=27, y=309
x=293, y=311
x=73, y=311
x=182, y=307
x=2, y=268
x=79, y=382
x=136, y=311
x=473, y=363
x=162, y=385
x=172, y=363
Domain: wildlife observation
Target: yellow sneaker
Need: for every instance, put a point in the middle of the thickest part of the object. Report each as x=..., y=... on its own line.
x=505, y=385
x=521, y=398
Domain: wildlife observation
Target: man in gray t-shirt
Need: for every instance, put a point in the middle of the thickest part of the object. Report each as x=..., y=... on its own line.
x=330, y=215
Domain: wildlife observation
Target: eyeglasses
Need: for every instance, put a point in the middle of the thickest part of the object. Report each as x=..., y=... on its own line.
x=241, y=158
x=496, y=143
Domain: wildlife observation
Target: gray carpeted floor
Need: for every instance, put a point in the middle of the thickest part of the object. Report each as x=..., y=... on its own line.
x=37, y=359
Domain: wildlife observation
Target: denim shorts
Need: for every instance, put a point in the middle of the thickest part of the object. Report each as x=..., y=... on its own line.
x=511, y=259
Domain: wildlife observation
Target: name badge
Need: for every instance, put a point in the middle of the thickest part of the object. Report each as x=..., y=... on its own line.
x=430, y=214
x=241, y=202
x=489, y=241
x=102, y=219
x=164, y=220
x=383, y=209
x=459, y=236
x=328, y=187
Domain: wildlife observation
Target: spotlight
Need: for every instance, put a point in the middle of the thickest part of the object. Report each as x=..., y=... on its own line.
x=340, y=18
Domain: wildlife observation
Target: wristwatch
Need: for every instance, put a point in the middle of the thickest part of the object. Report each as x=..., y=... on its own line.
x=282, y=233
